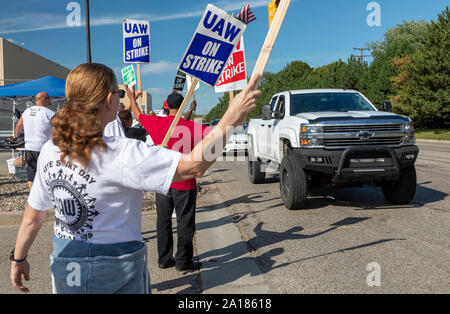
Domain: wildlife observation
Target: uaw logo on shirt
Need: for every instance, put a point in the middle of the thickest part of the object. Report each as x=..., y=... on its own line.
x=74, y=208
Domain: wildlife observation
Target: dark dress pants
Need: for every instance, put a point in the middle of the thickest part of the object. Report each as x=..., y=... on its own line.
x=184, y=203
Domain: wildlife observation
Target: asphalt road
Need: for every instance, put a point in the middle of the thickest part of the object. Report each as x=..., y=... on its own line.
x=347, y=240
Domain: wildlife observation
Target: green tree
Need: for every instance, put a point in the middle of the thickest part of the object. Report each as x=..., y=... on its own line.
x=399, y=41
x=423, y=78
x=219, y=110
x=337, y=74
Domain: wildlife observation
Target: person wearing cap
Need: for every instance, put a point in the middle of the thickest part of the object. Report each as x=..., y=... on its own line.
x=182, y=195
x=187, y=116
x=165, y=110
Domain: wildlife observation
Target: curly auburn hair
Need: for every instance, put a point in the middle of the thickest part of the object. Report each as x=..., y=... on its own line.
x=76, y=129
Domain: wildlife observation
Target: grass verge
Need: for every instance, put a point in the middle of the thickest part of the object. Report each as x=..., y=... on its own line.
x=433, y=134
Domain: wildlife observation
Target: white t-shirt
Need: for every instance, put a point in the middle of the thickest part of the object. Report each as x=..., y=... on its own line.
x=102, y=204
x=114, y=128
x=36, y=127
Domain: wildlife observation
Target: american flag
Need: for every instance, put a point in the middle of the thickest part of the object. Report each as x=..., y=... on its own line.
x=246, y=15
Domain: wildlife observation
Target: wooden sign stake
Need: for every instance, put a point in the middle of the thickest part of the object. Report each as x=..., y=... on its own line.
x=139, y=101
x=180, y=111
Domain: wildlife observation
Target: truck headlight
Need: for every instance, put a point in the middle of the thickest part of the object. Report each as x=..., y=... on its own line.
x=311, y=135
x=408, y=127
x=409, y=136
x=312, y=129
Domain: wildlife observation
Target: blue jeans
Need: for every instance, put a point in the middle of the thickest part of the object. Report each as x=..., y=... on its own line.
x=86, y=268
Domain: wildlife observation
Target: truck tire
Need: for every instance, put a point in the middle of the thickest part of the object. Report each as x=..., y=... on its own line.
x=255, y=174
x=293, y=185
x=401, y=191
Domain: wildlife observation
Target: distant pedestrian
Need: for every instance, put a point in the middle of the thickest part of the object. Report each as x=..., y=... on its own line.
x=138, y=133
x=35, y=123
x=115, y=127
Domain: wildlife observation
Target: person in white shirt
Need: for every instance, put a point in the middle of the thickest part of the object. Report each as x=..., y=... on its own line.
x=35, y=122
x=95, y=185
x=115, y=127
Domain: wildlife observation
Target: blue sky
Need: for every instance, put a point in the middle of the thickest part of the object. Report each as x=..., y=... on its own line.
x=315, y=31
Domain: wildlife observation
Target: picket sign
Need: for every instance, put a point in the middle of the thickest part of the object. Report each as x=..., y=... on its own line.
x=128, y=75
x=136, y=41
x=136, y=45
x=212, y=44
x=234, y=76
x=189, y=83
x=180, y=80
x=214, y=40
x=189, y=80
x=271, y=37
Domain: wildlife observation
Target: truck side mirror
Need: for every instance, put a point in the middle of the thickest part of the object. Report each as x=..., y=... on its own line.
x=278, y=115
x=266, y=112
x=387, y=106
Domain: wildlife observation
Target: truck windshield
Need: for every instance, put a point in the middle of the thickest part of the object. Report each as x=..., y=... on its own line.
x=342, y=102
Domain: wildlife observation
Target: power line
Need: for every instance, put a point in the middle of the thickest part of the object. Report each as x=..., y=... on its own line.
x=361, y=56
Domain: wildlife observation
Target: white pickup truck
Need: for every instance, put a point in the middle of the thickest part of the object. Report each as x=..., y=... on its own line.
x=335, y=136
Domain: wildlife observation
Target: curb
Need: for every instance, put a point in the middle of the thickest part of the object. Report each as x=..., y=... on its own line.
x=228, y=267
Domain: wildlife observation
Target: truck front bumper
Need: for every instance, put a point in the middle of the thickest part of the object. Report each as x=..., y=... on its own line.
x=359, y=164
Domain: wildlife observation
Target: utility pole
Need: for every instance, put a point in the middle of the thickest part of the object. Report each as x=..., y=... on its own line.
x=88, y=32
x=362, y=55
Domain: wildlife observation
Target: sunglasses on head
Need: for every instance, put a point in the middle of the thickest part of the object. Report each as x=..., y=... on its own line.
x=121, y=93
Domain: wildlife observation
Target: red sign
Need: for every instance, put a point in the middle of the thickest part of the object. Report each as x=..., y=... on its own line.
x=234, y=76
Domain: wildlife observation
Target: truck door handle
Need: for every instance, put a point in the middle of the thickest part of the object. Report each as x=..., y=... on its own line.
x=263, y=125
x=269, y=126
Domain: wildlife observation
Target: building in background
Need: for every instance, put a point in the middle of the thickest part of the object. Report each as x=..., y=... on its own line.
x=145, y=103
x=18, y=64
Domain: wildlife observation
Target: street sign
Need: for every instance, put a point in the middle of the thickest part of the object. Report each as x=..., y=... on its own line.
x=234, y=76
x=128, y=75
x=212, y=44
x=136, y=41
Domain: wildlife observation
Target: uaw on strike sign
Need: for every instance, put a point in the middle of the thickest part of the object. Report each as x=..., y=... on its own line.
x=136, y=41
x=214, y=39
x=234, y=76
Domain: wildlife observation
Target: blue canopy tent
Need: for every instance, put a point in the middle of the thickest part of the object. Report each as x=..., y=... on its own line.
x=55, y=87
x=52, y=85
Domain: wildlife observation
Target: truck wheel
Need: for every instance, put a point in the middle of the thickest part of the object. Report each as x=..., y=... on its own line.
x=254, y=172
x=401, y=191
x=293, y=185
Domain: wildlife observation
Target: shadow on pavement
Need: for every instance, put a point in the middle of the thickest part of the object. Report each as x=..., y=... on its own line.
x=357, y=247
x=264, y=238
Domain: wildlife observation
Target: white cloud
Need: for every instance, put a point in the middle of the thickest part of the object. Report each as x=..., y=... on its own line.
x=158, y=91
x=33, y=22
x=159, y=67
x=45, y=21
